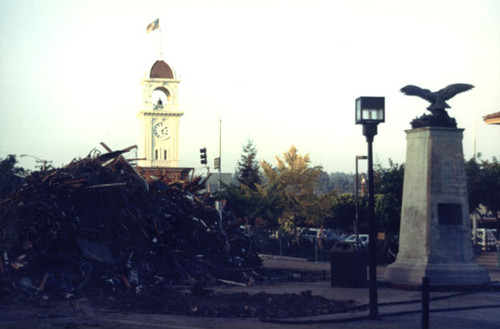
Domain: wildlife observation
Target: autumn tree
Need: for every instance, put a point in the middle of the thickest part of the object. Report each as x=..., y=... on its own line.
x=295, y=182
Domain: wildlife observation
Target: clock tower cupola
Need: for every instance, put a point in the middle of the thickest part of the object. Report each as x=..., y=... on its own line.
x=160, y=117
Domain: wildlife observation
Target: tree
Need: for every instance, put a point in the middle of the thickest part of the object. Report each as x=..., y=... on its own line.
x=248, y=171
x=474, y=186
x=271, y=208
x=10, y=175
x=295, y=183
x=323, y=185
x=244, y=200
x=342, y=182
x=388, y=189
x=483, y=183
x=491, y=182
x=343, y=212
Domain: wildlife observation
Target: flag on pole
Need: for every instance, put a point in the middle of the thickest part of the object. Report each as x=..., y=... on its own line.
x=154, y=25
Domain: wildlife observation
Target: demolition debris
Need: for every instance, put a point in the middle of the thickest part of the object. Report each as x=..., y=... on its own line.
x=96, y=226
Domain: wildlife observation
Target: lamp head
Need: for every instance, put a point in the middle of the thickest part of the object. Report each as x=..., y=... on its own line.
x=370, y=110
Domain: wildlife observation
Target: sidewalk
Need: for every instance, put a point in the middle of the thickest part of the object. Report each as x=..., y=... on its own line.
x=473, y=310
x=477, y=310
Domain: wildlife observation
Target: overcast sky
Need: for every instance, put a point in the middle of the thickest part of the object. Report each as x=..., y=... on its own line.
x=280, y=73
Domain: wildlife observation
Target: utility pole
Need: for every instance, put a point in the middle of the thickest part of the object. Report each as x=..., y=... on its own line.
x=44, y=164
x=220, y=173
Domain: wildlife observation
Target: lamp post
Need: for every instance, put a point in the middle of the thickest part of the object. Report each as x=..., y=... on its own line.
x=44, y=163
x=370, y=111
x=356, y=219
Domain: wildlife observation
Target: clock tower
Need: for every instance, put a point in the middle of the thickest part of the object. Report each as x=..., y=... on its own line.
x=159, y=116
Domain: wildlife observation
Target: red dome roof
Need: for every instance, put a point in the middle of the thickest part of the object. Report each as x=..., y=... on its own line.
x=161, y=70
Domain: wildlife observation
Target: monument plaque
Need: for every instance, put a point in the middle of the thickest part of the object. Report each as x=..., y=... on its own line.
x=449, y=214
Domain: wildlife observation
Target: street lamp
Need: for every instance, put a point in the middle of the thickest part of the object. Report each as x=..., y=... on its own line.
x=370, y=111
x=356, y=219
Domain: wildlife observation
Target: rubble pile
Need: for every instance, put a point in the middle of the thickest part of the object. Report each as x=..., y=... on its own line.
x=95, y=225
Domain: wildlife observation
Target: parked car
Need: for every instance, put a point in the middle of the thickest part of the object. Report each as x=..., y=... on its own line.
x=308, y=233
x=363, y=239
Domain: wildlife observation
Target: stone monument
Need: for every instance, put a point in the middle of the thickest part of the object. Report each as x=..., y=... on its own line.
x=435, y=235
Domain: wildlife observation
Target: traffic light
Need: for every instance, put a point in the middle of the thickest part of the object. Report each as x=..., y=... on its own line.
x=203, y=156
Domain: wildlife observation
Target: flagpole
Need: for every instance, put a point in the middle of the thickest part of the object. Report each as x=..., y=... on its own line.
x=159, y=33
x=161, y=55
x=155, y=25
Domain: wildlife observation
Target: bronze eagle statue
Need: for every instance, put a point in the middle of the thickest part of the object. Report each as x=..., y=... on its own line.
x=439, y=117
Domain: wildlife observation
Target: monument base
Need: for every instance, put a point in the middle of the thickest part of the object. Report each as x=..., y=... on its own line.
x=442, y=274
x=435, y=236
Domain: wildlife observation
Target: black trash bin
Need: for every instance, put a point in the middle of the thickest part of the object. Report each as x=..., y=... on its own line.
x=348, y=263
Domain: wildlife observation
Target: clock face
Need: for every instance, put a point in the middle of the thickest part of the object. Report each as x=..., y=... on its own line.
x=161, y=131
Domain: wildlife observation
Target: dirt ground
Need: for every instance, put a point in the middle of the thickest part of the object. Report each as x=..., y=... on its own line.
x=199, y=303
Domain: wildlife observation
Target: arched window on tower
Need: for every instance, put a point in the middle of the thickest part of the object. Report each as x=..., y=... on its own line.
x=156, y=154
x=160, y=96
x=164, y=154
